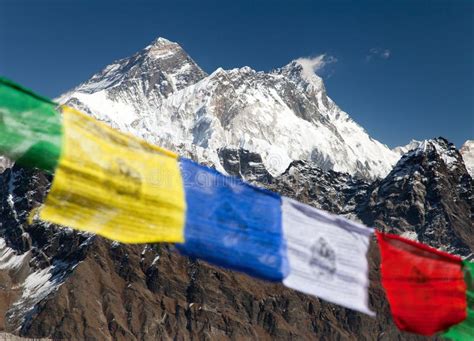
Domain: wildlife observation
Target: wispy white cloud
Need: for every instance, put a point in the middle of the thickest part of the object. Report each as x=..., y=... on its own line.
x=377, y=52
x=312, y=65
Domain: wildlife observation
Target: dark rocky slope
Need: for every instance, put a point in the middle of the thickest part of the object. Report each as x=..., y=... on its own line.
x=58, y=283
x=428, y=195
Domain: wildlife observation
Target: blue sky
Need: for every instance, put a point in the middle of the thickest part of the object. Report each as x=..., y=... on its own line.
x=403, y=69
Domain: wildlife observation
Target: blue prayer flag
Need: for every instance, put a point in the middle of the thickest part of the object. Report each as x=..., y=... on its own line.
x=232, y=224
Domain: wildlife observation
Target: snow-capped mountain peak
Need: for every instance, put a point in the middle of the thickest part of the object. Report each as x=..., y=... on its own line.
x=163, y=42
x=443, y=150
x=439, y=147
x=162, y=95
x=302, y=72
x=162, y=48
x=163, y=64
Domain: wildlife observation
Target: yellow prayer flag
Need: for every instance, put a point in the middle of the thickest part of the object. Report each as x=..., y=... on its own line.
x=115, y=185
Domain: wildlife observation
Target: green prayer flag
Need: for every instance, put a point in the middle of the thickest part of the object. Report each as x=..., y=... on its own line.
x=465, y=330
x=30, y=127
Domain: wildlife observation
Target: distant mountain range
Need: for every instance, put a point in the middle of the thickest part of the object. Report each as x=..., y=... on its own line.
x=162, y=95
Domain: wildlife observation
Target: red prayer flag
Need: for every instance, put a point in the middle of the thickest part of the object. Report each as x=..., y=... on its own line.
x=425, y=287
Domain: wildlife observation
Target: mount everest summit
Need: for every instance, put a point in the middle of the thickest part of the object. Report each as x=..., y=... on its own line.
x=163, y=96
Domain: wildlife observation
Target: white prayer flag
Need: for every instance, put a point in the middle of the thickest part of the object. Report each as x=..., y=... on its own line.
x=327, y=255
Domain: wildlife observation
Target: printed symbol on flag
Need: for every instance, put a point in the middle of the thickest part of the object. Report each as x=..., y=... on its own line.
x=130, y=179
x=232, y=221
x=419, y=276
x=323, y=258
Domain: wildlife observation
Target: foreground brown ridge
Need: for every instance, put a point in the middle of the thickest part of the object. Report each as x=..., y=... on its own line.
x=61, y=284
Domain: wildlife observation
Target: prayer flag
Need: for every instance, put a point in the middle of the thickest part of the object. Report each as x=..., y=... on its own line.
x=115, y=185
x=30, y=127
x=425, y=287
x=327, y=255
x=232, y=224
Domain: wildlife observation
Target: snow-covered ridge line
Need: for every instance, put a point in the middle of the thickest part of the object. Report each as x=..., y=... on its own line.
x=161, y=95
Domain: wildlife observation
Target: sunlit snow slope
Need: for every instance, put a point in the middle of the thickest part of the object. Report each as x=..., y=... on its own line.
x=467, y=152
x=162, y=95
